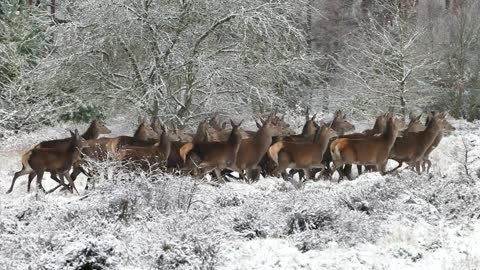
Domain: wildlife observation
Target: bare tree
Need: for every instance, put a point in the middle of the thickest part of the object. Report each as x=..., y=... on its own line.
x=383, y=64
x=183, y=59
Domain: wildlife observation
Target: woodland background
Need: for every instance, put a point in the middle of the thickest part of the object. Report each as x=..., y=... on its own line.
x=185, y=59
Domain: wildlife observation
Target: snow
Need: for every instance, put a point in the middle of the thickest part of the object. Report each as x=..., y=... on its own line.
x=399, y=221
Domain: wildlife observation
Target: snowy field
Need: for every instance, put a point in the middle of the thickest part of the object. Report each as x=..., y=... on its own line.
x=400, y=221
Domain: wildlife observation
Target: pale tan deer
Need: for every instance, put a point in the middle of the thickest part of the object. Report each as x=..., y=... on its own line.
x=301, y=155
x=57, y=161
x=372, y=150
x=426, y=163
x=411, y=148
x=215, y=155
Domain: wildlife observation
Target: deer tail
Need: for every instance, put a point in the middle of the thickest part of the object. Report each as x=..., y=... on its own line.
x=25, y=160
x=335, y=150
x=184, y=150
x=274, y=149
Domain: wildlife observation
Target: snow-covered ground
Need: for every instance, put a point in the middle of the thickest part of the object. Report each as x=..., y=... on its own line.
x=400, y=221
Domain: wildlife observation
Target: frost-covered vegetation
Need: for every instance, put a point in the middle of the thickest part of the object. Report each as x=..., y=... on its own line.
x=133, y=220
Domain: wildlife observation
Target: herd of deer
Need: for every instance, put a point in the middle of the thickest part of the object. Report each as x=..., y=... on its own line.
x=270, y=150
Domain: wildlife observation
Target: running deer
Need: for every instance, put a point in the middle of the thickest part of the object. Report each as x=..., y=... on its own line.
x=104, y=148
x=94, y=130
x=301, y=155
x=148, y=157
x=215, y=155
x=53, y=160
x=426, y=164
x=372, y=150
x=413, y=146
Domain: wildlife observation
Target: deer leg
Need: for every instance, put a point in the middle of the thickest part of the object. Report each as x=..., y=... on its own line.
x=219, y=175
x=347, y=171
x=18, y=174
x=61, y=183
x=30, y=179
x=429, y=164
x=400, y=163
x=306, y=174
x=72, y=183
x=417, y=167
x=39, y=180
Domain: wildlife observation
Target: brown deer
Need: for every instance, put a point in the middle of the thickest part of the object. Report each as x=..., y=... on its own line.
x=340, y=123
x=378, y=128
x=54, y=160
x=253, y=149
x=175, y=161
x=103, y=148
x=308, y=130
x=144, y=136
x=148, y=157
x=412, y=146
x=301, y=155
x=215, y=155
x=372, y=150
x=94, y=130
x=415, y=125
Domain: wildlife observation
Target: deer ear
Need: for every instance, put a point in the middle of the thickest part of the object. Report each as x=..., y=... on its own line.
x=77, y=135
x=344, y=116
x=239, y=124
x=259, y=126
x=313, y=117
x=224, y=125
x=71, y=133
x=231, y=123
x=418, y=117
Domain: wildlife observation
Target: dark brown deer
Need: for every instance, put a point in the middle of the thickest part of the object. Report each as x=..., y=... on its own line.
x=411, y=148
x=94, y=130
x=215, y=155
x=372, y=150
x=57, y=161
x=301, y=155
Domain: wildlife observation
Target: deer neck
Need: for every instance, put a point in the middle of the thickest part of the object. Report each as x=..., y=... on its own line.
x=308, y=130
x=141, y=135
x=379, y=127
x=91, y=133
x=431, y=133
x=262, y=140
x=390, y=134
